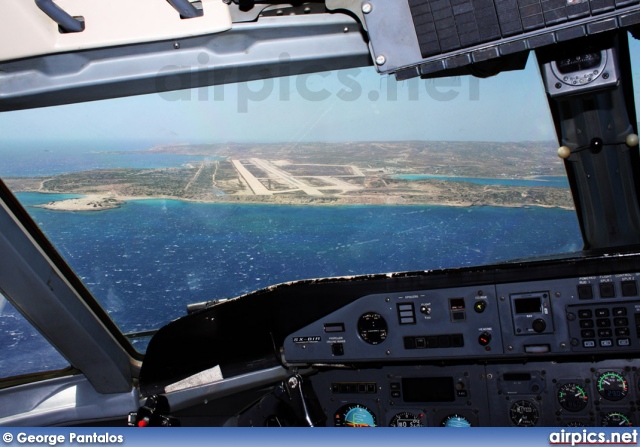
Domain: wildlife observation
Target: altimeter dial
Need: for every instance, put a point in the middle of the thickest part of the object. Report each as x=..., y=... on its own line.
x=406, y=419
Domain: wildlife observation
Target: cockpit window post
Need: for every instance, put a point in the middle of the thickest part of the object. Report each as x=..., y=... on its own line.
x=591, y=98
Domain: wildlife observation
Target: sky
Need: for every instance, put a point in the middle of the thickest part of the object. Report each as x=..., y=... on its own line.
x=352, y=105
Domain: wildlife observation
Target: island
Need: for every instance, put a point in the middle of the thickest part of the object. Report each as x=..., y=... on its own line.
x=409, y=172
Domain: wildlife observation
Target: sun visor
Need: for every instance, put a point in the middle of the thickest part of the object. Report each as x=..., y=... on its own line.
x=32, y=28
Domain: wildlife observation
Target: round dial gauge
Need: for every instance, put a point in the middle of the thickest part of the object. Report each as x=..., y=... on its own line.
x=372, y=328
x=616, y=419
x=579, y=63
x=580, y=70
x=354, y=415
x=406, y=419
x=612, y=386
x=455, y=420
x=524, y=413
x=572, y=397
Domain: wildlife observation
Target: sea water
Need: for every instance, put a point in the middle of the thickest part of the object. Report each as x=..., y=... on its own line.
x=42, y=160
x=144, y=262
x=147, y=260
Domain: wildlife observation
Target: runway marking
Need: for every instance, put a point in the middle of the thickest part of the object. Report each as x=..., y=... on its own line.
x=255, y=185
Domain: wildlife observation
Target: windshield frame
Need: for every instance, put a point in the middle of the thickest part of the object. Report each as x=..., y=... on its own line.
x=51, y=296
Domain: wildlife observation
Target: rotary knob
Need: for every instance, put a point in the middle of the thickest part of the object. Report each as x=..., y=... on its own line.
x=539, y=325
x=480, y=306
x=484, y=338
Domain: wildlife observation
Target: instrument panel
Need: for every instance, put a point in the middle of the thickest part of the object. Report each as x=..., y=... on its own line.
x=538, y=353
x=566, y=317
x=536, y=394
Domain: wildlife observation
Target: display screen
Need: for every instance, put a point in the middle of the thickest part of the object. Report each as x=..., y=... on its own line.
x=428, y=389
x=516, y=377
x=528, y=305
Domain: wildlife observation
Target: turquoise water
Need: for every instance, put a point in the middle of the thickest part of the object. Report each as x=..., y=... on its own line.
x=548, y=181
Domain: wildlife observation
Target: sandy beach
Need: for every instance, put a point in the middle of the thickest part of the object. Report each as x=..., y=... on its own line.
x=88, y=203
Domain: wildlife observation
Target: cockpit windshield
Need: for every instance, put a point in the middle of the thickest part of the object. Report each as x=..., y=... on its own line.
x=163, y=200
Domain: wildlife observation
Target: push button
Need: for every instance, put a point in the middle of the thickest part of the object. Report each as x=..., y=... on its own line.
x=444, y=341
x=457, y=340
x=432, y=342
x=337, y=349
x=619, y=311
x=621, y=321
x=585, y=292
x=607, y=290
x=629, y=288
x=406, y=313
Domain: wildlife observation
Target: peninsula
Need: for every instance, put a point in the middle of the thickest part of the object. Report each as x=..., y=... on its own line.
x=435, y=173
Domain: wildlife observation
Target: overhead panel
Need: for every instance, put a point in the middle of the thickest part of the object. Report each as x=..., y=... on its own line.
x=423, y=37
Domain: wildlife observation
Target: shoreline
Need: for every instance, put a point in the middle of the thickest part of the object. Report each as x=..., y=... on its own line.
x=93, y=202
